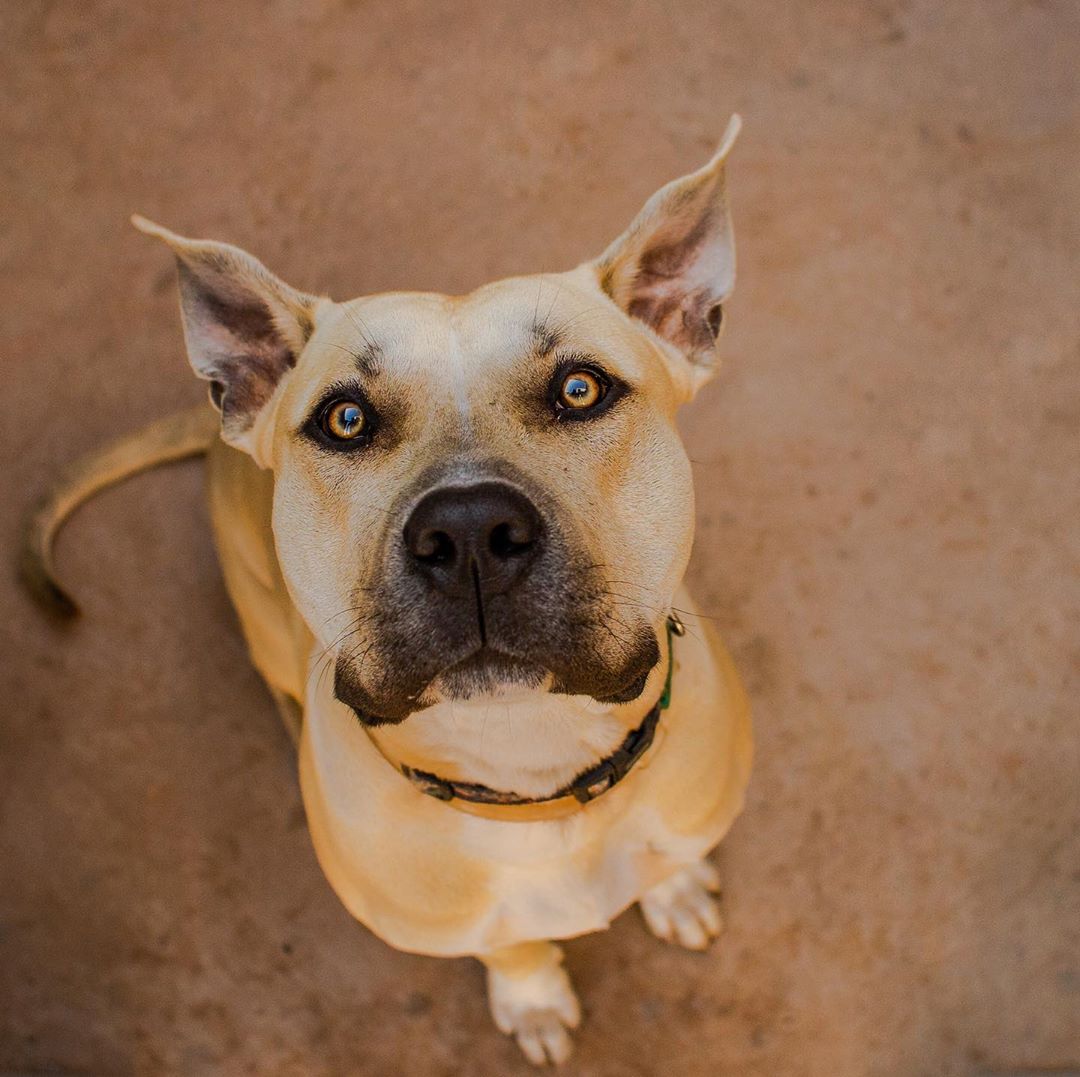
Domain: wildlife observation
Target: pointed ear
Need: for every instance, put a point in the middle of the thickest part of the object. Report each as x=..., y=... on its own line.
x=244, y=328
x=674, y=267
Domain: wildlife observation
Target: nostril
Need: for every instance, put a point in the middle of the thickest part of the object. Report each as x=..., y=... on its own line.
x=434, y=547
x=509, y=539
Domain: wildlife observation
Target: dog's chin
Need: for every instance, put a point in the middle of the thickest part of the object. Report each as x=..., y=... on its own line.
x=487, y=673
x=491, y=673
x=483, y=674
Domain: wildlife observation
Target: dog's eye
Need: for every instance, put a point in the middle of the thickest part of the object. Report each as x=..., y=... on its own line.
x=580, y=390
x=344, y=420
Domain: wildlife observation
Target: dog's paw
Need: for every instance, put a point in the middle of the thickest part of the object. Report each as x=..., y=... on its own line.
x=682, y=909
x=538, y=1010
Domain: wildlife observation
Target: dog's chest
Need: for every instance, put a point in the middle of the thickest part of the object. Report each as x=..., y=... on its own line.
x=430, y=878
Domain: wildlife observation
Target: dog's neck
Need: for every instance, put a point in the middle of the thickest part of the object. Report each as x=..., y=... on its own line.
x=529, y=743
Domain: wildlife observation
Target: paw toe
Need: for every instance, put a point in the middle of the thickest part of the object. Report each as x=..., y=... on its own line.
x=543, y=1037
x=706, y=874
x=657, y=919
x=689, y=931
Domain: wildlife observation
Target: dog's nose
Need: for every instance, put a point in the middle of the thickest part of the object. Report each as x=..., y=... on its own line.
x=480, y=536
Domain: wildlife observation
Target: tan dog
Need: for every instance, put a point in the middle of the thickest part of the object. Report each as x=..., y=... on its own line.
x=453, y=528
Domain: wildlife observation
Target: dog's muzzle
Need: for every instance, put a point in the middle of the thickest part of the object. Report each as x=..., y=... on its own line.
x=482, y=591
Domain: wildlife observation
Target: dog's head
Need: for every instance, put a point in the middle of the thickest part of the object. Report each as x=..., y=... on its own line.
x=477, y=494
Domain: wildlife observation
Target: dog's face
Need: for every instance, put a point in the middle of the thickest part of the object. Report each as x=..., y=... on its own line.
x=510, y=508
x=479, y=494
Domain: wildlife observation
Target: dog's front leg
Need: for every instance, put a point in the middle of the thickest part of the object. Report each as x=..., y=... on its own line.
x=532, y=999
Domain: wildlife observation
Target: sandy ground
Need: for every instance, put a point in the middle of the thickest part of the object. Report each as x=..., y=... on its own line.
x=888, y=481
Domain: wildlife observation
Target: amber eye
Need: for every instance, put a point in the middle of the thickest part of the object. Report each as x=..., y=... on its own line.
x=580, y=389
x=344, y=420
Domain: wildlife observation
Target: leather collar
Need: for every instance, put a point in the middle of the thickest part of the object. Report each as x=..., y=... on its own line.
x=586, y=786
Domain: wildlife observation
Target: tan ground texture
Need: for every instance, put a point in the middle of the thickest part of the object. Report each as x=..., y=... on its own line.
x=888, y=480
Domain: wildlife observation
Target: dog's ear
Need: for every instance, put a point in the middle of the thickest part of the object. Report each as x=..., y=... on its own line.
x=674, y=267
x=244, y=328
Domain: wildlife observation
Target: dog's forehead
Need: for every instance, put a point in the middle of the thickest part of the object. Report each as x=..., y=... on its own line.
x=529, y=316
x=447, y=342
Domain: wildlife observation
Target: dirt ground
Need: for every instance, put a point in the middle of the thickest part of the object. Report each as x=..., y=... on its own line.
x=888, y=496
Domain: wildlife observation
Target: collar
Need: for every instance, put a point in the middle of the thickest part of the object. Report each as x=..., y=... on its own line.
x=589, y=784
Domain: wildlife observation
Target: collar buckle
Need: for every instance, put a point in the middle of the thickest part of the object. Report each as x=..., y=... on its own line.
x=592, y=783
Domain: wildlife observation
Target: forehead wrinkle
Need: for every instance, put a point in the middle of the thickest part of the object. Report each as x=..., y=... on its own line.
x=545, y=338
x=369, y=359
x=368, y=356
x=366, y=359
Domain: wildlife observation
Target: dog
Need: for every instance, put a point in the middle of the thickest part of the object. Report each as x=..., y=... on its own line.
x=454, y=529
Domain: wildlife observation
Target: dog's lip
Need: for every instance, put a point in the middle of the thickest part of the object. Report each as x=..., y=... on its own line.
x=631, y=690
x=476, y=669
x=490, y=660
x=625, y=692
x=480, y=655
x=483, y=658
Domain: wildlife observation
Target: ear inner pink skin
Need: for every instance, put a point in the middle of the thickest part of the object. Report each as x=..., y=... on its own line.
x=243, y=350
x=244, y=327
x=675, y=265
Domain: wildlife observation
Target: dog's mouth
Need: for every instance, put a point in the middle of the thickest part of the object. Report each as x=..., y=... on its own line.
x=488, y=671
x=484, y=671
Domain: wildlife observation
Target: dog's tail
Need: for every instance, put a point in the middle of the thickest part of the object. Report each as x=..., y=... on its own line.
x=187, y=433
